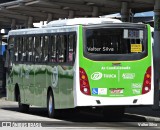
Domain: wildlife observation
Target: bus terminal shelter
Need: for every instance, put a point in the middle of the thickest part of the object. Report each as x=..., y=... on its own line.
x=16, y=14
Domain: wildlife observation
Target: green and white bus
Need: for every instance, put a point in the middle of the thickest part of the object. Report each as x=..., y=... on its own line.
x=82, y=62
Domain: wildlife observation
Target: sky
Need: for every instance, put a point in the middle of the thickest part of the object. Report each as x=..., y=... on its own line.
x=150, y=13
x=143, y=14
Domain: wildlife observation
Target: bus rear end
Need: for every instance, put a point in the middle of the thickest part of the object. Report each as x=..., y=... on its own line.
x=115, y=65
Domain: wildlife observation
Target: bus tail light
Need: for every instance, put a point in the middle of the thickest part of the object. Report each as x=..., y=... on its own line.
x=84, y=83
x=147, y=81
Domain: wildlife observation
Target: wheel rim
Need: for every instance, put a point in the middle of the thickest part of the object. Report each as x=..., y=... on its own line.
x=50, y=104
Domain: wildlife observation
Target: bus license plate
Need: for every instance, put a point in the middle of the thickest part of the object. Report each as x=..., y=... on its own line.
x=116, y=90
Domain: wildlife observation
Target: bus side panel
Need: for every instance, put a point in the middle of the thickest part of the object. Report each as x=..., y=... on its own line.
x=18, y=78
x=28, y=83
x=70, y=87
x=40, y=84
x=65, y=80
x=52, y=81
x=48, y=77
x=15, y=77
x=10, y=90
x=10, y=86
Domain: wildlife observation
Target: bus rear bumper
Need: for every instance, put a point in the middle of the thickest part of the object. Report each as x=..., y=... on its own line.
x=84, y=100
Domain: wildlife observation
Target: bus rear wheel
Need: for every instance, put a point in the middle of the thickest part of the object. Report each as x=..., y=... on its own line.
x=52, y=112
x=114, y=113
x=22, y=107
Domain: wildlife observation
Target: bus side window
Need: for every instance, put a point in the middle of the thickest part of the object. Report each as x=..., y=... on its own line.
x=19, y=44
x=29, y=49
x=10, y=52
x=38, y=49
x=53, y=49
x=71, y=47
x=45, y=48
x=61, y=48
x=15, y=48
x=24, y=49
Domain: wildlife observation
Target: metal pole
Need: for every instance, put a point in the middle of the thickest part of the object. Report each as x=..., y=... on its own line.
x=95, y=11
x=71, y=14
x=13, y=24
x=124, y=12
x=30, y=22
x=50, y=17
x=156, y=53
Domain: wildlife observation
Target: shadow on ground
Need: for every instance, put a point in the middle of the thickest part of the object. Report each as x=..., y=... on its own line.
x=74, y=115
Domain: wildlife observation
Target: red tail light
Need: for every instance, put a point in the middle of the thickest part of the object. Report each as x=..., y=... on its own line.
x=84, y=84
x=147, y=81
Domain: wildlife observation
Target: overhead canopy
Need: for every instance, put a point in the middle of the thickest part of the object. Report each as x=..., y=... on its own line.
x=41, y=10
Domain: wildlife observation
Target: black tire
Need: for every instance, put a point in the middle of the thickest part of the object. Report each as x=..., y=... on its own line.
x=22, y=107
x=52, y=112
x=114, y=113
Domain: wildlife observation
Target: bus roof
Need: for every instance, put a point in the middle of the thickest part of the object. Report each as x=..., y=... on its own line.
x=82, y=21
x=67, y=25
x=33, y=31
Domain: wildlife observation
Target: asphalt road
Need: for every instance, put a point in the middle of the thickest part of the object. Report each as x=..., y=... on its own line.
x=135, y=117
